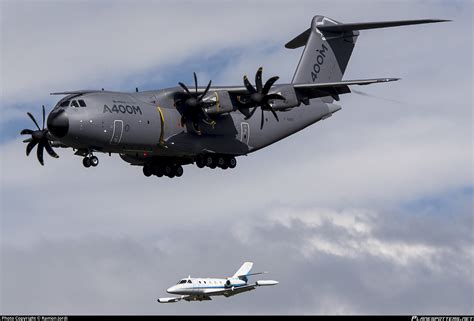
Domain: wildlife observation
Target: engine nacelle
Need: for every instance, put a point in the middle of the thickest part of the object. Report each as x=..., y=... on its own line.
x=223, y=102
x=234, y=282
x=291, y=100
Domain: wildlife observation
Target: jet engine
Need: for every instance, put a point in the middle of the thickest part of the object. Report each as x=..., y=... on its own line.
x=234, y=282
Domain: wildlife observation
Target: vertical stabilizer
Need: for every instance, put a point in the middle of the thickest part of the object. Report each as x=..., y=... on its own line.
x=244, y=270
x=326, y=53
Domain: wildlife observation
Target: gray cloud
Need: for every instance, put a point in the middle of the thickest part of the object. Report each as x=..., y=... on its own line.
x=369, y=211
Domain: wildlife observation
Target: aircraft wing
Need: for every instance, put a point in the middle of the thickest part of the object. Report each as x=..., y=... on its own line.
x=309, y=90
x=173, y=299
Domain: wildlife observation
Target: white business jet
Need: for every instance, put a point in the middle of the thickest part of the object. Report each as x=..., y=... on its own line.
x=200, y=289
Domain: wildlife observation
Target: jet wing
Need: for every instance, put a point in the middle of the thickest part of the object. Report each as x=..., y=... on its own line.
x=173, y=300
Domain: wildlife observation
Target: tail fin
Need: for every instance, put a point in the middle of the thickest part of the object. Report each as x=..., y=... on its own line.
x=244, y=270
x=328, y=47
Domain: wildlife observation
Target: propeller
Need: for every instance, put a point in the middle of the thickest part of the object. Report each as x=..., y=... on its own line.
x=193, y=107
x=259, y=96
x=38, y=137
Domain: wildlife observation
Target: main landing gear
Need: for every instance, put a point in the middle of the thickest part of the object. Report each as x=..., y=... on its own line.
x=213, y=161
x=90, y=160
x=170, y=170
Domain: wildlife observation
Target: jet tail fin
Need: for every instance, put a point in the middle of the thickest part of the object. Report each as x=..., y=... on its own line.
x=329, y=45
x=244, y=270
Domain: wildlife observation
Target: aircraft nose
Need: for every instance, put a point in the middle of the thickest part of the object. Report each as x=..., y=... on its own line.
x=171, y=290
x=58, y=123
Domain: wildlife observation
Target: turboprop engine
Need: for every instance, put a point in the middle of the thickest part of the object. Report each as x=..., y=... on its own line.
x=223, y=103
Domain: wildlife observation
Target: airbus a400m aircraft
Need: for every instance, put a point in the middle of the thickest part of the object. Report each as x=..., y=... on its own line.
x=201, y=289
x=164, y=129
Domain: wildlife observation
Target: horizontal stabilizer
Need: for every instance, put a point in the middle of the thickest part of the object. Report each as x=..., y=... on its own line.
x=344, y=27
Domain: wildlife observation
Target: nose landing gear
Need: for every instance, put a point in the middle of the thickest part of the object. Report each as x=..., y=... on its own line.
x=90, y=160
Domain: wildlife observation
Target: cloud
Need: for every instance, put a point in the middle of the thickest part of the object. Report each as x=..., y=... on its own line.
x=365, y=212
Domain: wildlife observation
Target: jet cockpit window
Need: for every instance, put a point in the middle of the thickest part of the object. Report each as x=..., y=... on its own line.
x=82, y=103
x=182, y=282
x=189, y=281
x=64, y=103
x=74, y=104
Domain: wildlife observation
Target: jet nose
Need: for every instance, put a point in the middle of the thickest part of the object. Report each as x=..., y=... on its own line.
x=171, y=290
x=58, y=123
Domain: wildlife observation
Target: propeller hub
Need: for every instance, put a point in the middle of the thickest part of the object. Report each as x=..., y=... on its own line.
x=58, y=123
x=256, y=97
x=191, y=102
x=38, y=134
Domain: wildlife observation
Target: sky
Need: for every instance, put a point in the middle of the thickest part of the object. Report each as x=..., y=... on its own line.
x=367, y=212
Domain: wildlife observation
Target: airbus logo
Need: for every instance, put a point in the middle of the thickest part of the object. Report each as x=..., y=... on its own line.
x=122, y=109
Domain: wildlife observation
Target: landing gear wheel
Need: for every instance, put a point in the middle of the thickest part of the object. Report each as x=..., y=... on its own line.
x=221, y=162
x=86, y=162
x=232, y=162
x=200, y=161
x=94, y=161
x=179, y=171
x=168, y=171
x=210, y=161
x=147, y=171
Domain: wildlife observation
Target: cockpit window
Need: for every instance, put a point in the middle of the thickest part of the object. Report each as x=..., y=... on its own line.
x=182, y=281
x=189, y=281
x=64, y=103
x=82, y=103
x=74, y=104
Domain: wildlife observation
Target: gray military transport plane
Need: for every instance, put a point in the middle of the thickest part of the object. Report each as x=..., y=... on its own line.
x=162, y=130
x=201, y=289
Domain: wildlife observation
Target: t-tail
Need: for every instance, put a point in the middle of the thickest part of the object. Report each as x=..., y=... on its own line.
x=328, y=45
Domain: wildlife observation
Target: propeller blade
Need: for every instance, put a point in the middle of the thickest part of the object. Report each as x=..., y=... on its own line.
x=205, y=91
x=30, y=146
x=269, y=85
x=185, y=88
x=28, y=140
x=26, y=132
x=258, y=79
x=273, y=112
x=43, y=116
x=34, y=120
x=50, y=150
x=249, y=87
x=39, y=152
x=261, y=123
x=251, y=113
x=195, y=82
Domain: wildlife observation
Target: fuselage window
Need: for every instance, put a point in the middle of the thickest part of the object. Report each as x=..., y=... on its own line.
x=82, y=103
x=74, y=104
